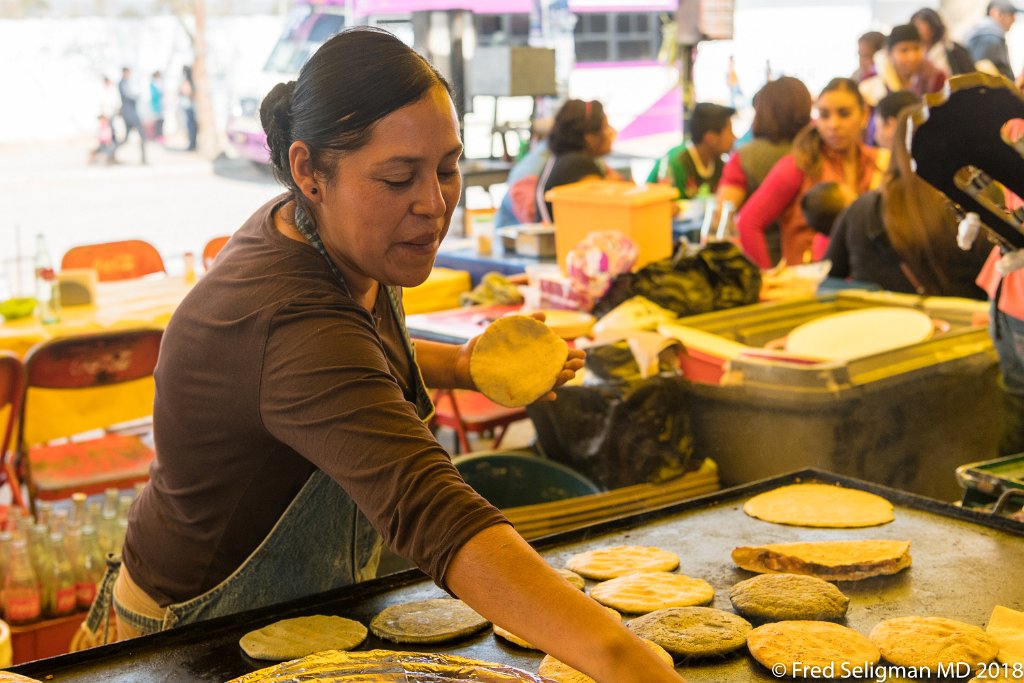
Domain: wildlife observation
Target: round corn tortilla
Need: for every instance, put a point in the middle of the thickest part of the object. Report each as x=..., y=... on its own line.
x=1006, y=627
x=811, y=644
x=575, y=579
x=517, y=360
x=926, y=642
x=820, y=505
x=439, y=620
x=787, y=597
x=563, y=673
x=292, y=638
x=644, y=592
x=693, y=631
x=828, y=560
x=619, y=560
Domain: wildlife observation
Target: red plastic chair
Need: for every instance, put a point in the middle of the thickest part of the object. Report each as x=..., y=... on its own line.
x=122, y=260
x=72, y=364
x=470, y=411
x=213, y=248
x=12, y=384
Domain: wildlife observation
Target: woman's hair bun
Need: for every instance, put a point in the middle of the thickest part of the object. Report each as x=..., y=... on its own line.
x=275, y=117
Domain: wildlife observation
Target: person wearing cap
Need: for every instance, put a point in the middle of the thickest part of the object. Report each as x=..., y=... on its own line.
x=986, y=41
x=902, y=66
x=695, y=167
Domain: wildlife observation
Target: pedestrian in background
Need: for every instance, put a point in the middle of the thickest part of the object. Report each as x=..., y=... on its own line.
x=986, y=41
x=187, y=103
x=156, y=104
x=130, y=110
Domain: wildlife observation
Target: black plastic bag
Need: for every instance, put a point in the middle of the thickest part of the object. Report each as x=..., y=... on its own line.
x=619, y=434
x=716, y=277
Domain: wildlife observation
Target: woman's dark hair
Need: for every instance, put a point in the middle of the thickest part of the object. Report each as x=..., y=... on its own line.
x=918, y=219
x=575, y=119
x=931, y=18
x=354, y=80
x=781, y=109
x=807, y=145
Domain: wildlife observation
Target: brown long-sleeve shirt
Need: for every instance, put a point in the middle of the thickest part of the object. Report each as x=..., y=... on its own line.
x=267, y=370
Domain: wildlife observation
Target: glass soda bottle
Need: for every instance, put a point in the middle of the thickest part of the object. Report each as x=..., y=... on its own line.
x=59, y=594
x=47, y=293
x=22, y=604
x=89, y=568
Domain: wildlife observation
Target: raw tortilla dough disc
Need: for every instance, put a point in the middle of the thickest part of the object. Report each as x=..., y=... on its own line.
x=385, y=666
x=291, y=638
x=517, y=360
x=644, y=592
x=925, y=642
x=563, y=673
x=786, y=597
x=855, y=334
x=693, y=631
x=829, y=560
x=820, y=505
x=572, y=577
x=812, y=644
x=1006, y=627
x=619, y=560
x=439, y=620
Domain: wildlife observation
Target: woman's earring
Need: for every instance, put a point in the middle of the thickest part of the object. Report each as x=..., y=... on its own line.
x=313, y=190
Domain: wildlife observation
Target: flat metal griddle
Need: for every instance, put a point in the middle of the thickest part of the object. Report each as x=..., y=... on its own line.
x=965, y=562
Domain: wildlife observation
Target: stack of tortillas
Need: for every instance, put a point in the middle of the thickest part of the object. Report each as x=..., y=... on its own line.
x=828, y=560
x=291, y=638
x=517, y=360
x=820, y=505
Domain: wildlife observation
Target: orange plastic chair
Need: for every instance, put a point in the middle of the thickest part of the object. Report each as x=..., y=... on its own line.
x=470, y=411
x=56, y=470
x=213, y=248
x=12, y=384
x=122, y=260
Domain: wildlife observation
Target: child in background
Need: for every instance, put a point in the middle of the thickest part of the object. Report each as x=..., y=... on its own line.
x=105, y=141
x=695, y=167
x=821, y=206
x=886, y=115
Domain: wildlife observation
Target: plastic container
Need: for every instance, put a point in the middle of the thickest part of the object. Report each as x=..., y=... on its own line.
x=907, y=417
x=643, y=213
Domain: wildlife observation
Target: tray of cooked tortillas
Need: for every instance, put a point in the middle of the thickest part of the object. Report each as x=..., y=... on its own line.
x=806, y=576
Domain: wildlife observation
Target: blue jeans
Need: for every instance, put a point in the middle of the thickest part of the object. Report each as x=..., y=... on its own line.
x=1008, y=339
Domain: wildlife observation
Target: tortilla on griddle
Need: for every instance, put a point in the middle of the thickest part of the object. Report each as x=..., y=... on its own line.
x=693, y=631
x=615, y=561
x=385, y=666
x=291, y=638
x=926, y=642
x=810, y=645
x=644, y=592
x=573, y=578
x=517, y=360
x=820, y=505
x=788, y=597
x=563, y=673
x=439, y=620
x=1006, y=627
x=828, y=560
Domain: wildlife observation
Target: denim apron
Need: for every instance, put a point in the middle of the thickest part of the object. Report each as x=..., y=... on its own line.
x=322, y=541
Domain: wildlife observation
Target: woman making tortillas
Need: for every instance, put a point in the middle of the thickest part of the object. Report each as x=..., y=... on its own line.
x=289, y=399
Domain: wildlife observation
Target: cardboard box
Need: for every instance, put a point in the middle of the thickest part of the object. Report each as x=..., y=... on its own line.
x=641, y=212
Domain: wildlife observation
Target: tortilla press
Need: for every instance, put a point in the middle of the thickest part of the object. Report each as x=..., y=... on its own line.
x=958, y=147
